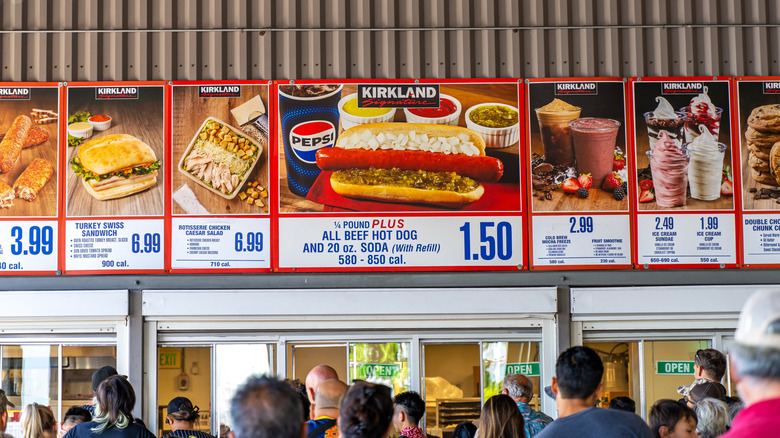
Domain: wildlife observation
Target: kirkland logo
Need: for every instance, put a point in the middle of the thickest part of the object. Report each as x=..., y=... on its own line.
x=398, y=96
x=682, y=88
x=219, y=91
x=771, y=87
x=12, y=93
x=106, y=93
x=566, y=88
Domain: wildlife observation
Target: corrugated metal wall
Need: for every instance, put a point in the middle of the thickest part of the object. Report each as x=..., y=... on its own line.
x=76, y=40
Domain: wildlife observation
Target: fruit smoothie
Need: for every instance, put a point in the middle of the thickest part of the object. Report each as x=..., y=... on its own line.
x=705, y=170
x=669, y=166
x=701, y=112
x=554, y=121
x=594, y=146
x=664, y=118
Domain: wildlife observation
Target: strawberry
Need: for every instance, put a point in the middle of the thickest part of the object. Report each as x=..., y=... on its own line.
x=646, y=184
x=618, y=162
x=612, y=182
x=571, y=185
x=646, y=196
x=727, y=188
x=585, y=181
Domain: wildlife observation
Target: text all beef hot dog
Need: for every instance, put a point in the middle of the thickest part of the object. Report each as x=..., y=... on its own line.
x=409, y=162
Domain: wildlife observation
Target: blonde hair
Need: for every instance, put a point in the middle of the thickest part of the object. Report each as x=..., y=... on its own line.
x=36, y=419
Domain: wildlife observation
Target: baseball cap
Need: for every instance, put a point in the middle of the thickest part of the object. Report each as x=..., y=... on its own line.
x=101, y=375
x=548, y=390
x=4, y=401
x=759, y=321
x=708, y=389
x=180, y=404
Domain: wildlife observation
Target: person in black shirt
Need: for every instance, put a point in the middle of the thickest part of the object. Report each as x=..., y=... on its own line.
x=182, y=416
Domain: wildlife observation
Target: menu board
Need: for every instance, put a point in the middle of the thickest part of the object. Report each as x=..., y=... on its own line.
x=115, y=185
x=220, y=174
x=578, y=173
x=29, y=189
x=686, y=212
x=400, y=175
x=758, y=131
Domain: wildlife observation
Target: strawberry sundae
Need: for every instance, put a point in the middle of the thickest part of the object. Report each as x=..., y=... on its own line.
x=701, y=112
x=669, y=167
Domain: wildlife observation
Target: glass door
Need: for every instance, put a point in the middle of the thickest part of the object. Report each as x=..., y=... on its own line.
x=452, y=385
x=383, y=363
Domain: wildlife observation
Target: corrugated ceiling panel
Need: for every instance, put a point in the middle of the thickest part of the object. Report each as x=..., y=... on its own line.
x=44, y=40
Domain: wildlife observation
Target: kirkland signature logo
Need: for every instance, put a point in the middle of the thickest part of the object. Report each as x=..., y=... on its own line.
x=105, y=93
x=682, y=88
x=14, y=93
x=398, y=96
x=771, y=87
x=568, y=88
x=219, y=91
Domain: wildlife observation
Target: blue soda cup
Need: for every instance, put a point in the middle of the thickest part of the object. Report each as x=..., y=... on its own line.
x=310, y=121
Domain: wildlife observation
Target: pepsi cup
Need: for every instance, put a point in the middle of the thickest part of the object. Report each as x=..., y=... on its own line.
x=310, y=122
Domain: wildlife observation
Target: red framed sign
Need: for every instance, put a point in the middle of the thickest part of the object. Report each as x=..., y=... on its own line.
x=30, y=192
x=116, y=179
x=758, y=106
x=577, y=173
x=682, y=142
x=400, y=175
x=220, y=173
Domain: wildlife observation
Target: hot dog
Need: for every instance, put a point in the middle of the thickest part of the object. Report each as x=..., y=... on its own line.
x=408, y=162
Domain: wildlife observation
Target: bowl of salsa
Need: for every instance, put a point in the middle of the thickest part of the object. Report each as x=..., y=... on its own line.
x=100, y=122
x=447, y=113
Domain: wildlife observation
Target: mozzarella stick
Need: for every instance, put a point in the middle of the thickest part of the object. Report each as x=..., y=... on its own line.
x=32, y=180
x=12, y=143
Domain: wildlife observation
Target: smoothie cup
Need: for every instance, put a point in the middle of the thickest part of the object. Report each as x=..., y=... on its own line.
x=594, y=146
x=673, y=127
x=556, y=135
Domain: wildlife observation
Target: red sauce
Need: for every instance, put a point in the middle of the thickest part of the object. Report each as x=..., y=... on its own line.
x=446, y=107
x=99, y=118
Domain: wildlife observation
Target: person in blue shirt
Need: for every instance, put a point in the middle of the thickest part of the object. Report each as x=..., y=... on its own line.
x=521, y=389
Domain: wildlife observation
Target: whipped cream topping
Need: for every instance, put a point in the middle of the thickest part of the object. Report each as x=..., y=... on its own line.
x=702, y=104
x=706, y=166
x=669, y=166
x=664, y=110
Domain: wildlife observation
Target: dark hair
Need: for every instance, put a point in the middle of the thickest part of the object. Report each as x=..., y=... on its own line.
x=668, y=413
x=181, y=409
x=300, y=388
x=265, y=407
x=101, y=375
x=500, y=418
x=623, y=404
x=115, y=401
x=412, y=404
x=366, y=411
x=77, y=415
x=465, y=430
x=713, y=362
x=579, y=371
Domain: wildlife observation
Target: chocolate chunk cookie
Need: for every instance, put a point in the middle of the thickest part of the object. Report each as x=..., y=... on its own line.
x=763, y=177
x=774, y=162
x=759, y=151
x=765, y=118
x=757, y=163
x=766, y=139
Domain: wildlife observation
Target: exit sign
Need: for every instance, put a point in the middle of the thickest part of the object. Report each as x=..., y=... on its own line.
x=168, y=358
x=674, y=367
x=525, y=368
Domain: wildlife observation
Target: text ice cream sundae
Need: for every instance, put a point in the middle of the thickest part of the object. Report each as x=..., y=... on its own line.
x=669, y=167
x=701, y=112
x=705, y=170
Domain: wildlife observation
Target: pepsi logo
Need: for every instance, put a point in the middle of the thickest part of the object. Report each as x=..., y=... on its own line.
x=307, y=137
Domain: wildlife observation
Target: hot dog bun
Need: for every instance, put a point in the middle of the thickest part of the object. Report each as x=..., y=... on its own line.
x=444, y=198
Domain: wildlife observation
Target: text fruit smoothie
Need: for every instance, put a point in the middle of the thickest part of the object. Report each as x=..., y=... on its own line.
x=701, y=112
x=664, y=118
x=669, y=167
x=594, y=146
x=554, y=121
x=705, y=170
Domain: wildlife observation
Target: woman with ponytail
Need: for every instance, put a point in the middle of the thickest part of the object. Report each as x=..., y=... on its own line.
x=366, y=411
x=38, y=422
x=113, y=413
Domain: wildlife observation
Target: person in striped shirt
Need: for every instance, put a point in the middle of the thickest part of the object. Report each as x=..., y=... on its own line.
x=182, y=416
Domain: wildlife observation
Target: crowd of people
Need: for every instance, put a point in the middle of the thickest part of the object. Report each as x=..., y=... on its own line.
x=326, y=407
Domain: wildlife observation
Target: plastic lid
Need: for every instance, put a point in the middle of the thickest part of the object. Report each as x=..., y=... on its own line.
x=759, y=322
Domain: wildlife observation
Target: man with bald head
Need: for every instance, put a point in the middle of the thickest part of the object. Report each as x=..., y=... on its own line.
x=318, y=374
x=521, y=389
x=328, y=395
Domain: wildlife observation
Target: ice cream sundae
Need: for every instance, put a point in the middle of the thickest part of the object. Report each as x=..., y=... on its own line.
x=705, y=170
x=669, y=167
x=701, y=111
x=664, y=118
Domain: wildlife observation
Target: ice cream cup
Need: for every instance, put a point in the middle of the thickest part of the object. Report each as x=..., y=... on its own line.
x=362, y=116
x=705, y=173
x=670, y=187
x=495, y=137
x=450, y=119
x=594, y=146
x=693, y=120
